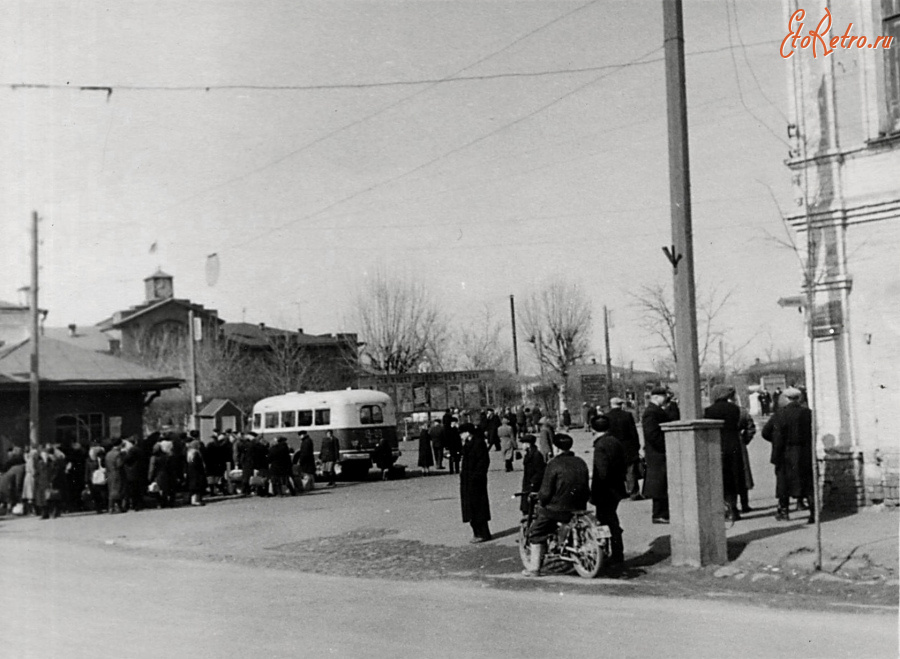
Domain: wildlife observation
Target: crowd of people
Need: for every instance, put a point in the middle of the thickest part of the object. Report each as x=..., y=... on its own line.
x=161, y=470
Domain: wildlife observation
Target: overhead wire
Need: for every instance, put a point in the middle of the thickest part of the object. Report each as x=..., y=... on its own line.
x=446, y=154
x=737, y=78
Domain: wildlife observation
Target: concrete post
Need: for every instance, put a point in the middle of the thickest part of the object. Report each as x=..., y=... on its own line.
x=696, y=497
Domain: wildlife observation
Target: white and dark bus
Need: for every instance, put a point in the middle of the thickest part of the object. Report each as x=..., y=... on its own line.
x=359, y=418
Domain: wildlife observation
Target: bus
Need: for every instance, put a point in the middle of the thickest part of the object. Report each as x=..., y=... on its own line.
x=359, y=418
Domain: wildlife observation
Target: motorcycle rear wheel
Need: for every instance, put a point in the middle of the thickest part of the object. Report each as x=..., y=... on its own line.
x=588, y=553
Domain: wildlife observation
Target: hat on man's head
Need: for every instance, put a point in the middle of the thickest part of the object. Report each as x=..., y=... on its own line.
x=659, y=391
x=600, y=423
x=615, y=400
x=527, y=439
x=467, y=427
x=722, y=392
x=562, y=441
x=792, y=392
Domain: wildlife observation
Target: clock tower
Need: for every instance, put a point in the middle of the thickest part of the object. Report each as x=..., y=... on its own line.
x=158, y=286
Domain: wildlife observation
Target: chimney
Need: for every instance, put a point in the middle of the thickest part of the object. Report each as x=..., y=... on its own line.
x=114, y=346
x=73, y=329
x=299, y=330
x=262, y=327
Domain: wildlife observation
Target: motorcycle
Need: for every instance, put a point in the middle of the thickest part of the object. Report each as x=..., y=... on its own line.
x=582, y=541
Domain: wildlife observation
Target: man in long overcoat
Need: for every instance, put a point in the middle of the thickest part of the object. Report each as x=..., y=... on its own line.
x=533, y=465
x=623, y=428
x=790, y=431
x=473, y=492
x=724, y=409
x=656, y=482
x=608, y=483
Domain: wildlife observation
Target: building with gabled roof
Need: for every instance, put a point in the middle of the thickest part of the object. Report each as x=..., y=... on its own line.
x=85, y=395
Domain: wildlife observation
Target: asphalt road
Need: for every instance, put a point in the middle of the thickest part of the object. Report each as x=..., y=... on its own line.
x=103, y=601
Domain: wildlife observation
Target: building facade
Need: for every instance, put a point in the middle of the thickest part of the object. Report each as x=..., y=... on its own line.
x=844, y=165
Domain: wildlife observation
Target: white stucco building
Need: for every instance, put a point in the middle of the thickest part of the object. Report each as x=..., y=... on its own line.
x=845, y=168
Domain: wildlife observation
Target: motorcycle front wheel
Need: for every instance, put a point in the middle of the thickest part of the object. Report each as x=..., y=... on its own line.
x=527, y=555
x=588, y=553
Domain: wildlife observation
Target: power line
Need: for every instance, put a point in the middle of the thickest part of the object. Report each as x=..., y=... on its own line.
x=446, y=154
x=737, y=79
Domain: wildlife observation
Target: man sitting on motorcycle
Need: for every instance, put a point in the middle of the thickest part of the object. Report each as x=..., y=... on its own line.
x=564, y=490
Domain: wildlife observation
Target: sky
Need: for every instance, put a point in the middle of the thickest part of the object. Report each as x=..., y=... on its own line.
x=481, y=148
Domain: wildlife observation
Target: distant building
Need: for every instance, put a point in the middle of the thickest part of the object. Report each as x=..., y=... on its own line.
x=845, y=168
x=84, y=396
x=160, y=322
x=329, y=361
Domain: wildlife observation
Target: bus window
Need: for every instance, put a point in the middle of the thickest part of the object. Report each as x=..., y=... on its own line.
x=271, y=419
x=370, y=414
x=304, y=418
x=323, y=417
x=257, y=421
x=288, y=419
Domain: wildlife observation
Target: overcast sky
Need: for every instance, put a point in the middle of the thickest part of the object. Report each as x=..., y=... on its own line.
x=481, y=188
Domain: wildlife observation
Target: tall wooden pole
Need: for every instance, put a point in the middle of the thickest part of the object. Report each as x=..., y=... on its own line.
x=192, y=355
x=34, y=427
x=609, y=389
x=682, y=253
x=512, y=315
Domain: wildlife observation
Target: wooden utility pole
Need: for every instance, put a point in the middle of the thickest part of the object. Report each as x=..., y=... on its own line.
x=512, y=315
x=682, y=250
x=192, y=355
x=34, y=426
x=609, y=387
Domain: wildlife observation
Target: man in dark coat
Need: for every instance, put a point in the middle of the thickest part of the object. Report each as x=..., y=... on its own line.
x=280, y=467
x=623, y=428
x=243, y=459
x=608, y=483
x=329, y=456
x=724, y=409
x=490, y=424
x=305, y=457
x=564, y=489
x=436, y=433
x=473, y=492
x=76, y=458
x=134, y=467
x=453, y=443
x=656, y=482
x=790, y=431
x=534, y=466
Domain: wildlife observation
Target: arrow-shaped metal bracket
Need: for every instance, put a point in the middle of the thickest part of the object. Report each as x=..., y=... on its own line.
x=673, y=258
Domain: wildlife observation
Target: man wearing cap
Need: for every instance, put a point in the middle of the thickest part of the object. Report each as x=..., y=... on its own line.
x=534, y=466
x=564, y=489
x=608, y=483
x=623, y=428
x=724, y=409
x=473, y=492
x=789, y=430
x=656, y=482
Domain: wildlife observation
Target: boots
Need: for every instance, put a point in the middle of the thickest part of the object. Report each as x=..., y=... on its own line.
x=538, y=549
x=782, y=515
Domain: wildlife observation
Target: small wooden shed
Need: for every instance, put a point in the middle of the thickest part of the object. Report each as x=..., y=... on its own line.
x=219, y=415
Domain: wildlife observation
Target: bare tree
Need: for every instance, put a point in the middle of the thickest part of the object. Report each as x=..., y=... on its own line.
x=479, y=344
x=557, y=322
x=657, y=319
x=401, y=328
